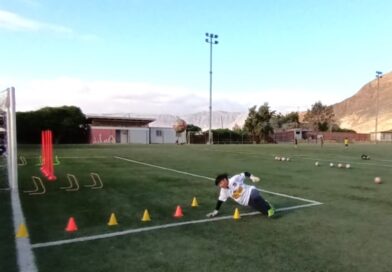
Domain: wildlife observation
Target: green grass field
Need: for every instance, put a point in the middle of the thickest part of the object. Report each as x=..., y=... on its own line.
x=350, y=231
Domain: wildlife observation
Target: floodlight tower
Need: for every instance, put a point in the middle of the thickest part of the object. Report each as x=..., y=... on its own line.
x=211, y=39
x=378, y=76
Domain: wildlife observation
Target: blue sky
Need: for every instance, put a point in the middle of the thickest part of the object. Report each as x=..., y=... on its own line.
x=144, y=56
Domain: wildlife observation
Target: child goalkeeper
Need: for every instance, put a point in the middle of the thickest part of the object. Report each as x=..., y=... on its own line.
x=242, y=193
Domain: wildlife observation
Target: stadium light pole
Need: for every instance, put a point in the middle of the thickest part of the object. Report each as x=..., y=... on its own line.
x=211, y=39
x=378, y=76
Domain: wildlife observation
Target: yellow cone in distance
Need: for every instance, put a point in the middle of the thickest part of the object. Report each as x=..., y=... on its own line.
x=236, y=214
x=146, y=216
x=112, y=220
x=22, y=231
x=194, y=202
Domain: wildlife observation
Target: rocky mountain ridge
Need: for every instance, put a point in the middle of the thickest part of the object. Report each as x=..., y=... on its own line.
x=359, y=111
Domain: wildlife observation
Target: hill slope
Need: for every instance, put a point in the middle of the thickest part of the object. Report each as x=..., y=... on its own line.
x=359, y=111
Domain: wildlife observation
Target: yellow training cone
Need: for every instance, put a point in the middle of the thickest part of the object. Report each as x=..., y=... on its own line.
x=22, y=231
x=194, y=202
x=112, y=220
x=236, y=214
x=146, y=216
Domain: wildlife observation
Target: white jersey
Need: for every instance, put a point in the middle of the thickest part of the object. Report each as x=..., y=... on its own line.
x=237, y=190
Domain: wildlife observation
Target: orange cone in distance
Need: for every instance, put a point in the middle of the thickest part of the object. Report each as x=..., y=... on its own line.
x=178, y=213
x=71, y=226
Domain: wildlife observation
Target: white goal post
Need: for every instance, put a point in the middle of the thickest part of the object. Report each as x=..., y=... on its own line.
x=7, y=111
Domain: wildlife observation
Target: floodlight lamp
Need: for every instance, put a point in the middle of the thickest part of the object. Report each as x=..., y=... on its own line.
x=216, y=42
x=207, y=34
x=207, y=40
x=216, y=36
x=211, y=35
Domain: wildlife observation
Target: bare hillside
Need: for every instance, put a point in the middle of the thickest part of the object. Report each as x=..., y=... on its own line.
x=359, y=111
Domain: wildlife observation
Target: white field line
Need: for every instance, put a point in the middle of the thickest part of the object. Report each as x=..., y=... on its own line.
x=92, y=157
x=292, y=197
x=306, y=157
x=145, y=229
x=204, y=177
x=359, y=163
x=163, y=168
x=25, y=256
x=131, y=231
x=74, y=157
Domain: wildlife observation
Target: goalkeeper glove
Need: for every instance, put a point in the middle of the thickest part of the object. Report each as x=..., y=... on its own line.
x=254, y=178
x=212, y=214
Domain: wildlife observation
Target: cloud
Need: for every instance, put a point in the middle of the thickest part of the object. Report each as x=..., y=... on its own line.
x=107, y=96
x=100, y=96
x=13, y=21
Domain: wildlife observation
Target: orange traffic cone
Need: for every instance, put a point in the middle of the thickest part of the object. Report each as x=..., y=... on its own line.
x=71, y=226
x=178, y=213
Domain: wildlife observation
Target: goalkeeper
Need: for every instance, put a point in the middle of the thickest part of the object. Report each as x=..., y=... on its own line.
x=242, y=193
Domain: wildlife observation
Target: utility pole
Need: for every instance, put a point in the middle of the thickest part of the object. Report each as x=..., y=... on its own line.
x=378, y=76
x=211, y=39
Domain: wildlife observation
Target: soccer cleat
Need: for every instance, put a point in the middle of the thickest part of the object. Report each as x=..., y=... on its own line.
x=271, y=212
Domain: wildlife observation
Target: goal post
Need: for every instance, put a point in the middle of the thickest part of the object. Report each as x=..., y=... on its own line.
x=7, y=111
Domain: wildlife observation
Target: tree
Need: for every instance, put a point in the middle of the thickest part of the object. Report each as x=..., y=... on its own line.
x=68, y=124
x=193, y=128
x=258, y=123
x=251, y=123
x=279, y=120
x=320, y=117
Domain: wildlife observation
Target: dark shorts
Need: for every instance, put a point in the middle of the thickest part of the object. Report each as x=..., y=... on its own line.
x=257, y=202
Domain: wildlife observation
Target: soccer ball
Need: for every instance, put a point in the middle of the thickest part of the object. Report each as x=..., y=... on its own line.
x=340, y=165
x=316, y=163
x=348, y=166
x=179, y=126
x=377, y=180
x=331, y=164
x=283, y=158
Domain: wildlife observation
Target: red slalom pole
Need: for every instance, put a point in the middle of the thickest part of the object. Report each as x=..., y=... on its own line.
x=51, y=175
x=47, y=167
x=43, y=152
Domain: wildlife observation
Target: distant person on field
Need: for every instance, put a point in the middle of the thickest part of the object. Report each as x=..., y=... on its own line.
x=321, y=140
x=242, y=193
x=346, y=142
x=295, y=142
